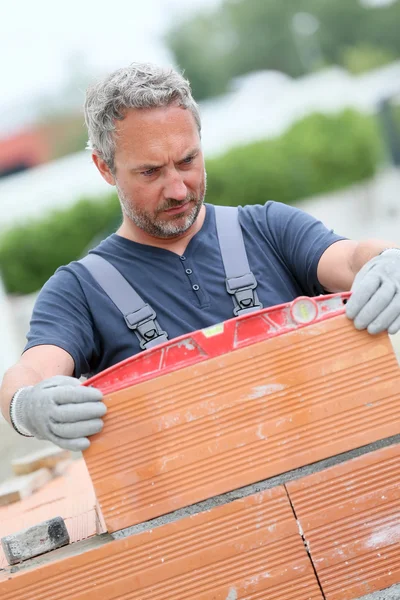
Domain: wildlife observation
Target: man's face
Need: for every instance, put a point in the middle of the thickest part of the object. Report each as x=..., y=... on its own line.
x=159, y=169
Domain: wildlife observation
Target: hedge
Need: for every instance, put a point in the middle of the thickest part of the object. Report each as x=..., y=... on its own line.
x=30, y=253
x=320, y=153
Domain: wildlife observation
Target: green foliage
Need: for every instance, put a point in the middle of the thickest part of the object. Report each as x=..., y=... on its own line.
x=198, y=65
x=247, y=35
x=396, y=111
x=359, y=59
x=31, y=252
x=318, y=154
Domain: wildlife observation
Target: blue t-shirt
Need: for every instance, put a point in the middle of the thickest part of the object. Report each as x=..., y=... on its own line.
x=283, y=246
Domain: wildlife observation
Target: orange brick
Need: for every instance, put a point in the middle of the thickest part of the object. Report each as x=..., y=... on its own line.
x=249, y=549
x=350, y=515
x=242, y=417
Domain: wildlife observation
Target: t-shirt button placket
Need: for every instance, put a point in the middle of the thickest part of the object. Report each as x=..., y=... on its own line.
x=188, y=271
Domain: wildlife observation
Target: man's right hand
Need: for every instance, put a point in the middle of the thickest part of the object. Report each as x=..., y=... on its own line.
x=61, y=410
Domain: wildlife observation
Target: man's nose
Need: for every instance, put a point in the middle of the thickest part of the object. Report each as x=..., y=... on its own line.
x=175, y=187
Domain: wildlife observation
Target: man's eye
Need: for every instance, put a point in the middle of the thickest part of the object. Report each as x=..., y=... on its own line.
x=148, y=172
x=188, y=160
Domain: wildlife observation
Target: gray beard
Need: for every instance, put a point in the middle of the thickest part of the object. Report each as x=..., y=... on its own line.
x=159, y=228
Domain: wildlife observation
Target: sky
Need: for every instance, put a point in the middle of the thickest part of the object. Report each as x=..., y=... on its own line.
x=42, y=42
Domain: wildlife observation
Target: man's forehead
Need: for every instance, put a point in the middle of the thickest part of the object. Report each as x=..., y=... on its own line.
x=146, y=132
x=153, y=119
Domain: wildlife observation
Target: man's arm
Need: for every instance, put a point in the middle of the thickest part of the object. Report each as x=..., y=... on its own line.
x=35, y=365
x=371, y=269
x=50, y=404
x=341, y=262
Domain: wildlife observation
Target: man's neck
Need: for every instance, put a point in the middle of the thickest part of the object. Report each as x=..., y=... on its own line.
x=177, y=244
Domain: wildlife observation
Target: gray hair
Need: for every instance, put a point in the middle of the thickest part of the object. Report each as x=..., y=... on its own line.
x=141, y=85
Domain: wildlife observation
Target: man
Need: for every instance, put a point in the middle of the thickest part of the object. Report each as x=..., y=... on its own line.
x=144, y=130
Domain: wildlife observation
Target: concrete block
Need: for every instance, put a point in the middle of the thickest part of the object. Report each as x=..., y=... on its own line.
x=392, y=593
x=35, y=540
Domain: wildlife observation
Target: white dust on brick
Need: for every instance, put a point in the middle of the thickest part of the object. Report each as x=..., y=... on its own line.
x=259, y=391
x=255, y=579
x=232, y=594
x=384, y=536
x=260, y=432
x=305, y=540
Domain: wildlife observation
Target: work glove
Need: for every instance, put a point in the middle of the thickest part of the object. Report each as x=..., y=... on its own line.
x=375, y=300
x=60, y=410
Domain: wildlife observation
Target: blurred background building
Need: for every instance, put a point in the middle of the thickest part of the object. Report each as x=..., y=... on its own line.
x=300, y=103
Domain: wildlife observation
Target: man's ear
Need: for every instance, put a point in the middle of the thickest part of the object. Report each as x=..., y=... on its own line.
x=103, y=168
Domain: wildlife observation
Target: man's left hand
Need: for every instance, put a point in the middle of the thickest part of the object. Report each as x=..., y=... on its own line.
x=375, y=300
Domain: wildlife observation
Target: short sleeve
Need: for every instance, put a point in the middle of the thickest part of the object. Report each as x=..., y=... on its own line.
x=300, y=240
x=61, y=318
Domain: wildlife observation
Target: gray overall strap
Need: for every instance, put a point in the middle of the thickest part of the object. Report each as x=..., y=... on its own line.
x=240, y=281
x=139, y=316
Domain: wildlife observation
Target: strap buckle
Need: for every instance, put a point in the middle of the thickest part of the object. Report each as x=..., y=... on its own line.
x=144, y=324
x=244, y=295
